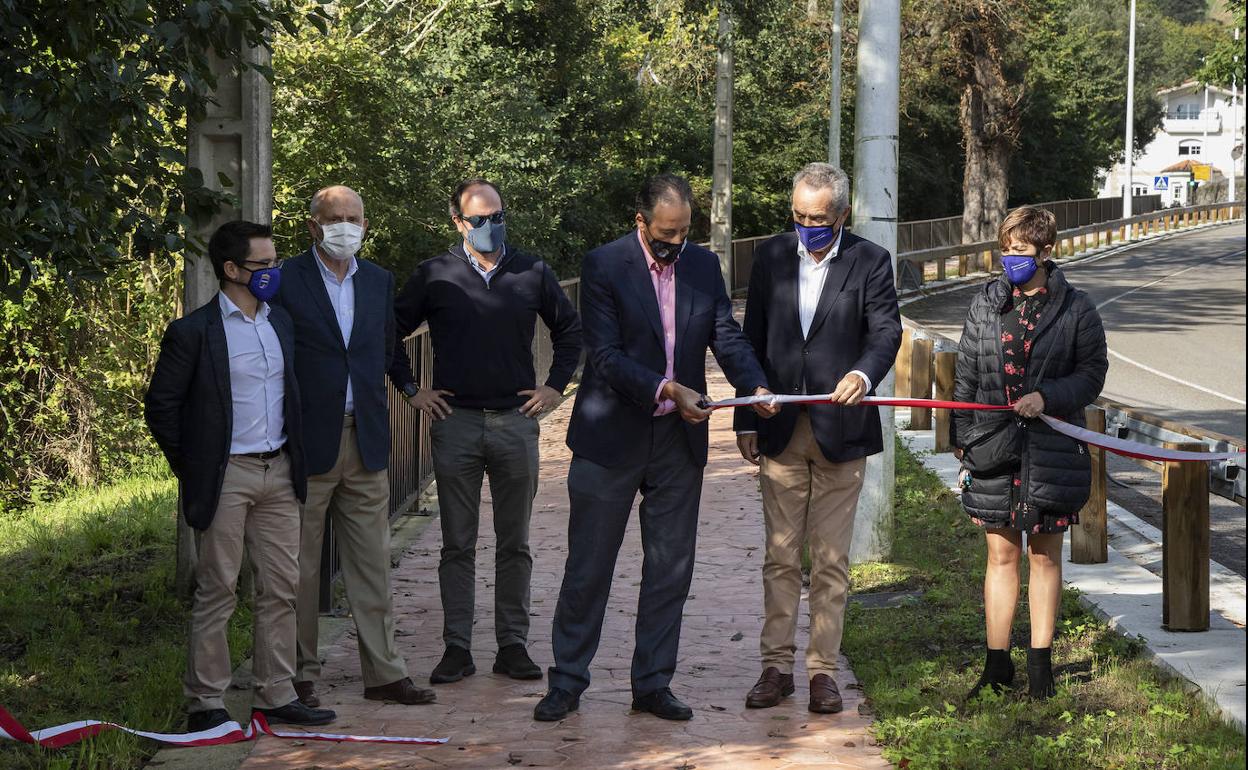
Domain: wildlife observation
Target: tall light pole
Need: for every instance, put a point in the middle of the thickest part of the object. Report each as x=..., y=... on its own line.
x=875, y=218
x=834, y=96
x=1130, y=140
x=1234, y=128
x=721, y=162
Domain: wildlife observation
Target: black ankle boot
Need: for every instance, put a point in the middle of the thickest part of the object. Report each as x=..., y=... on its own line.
x=998, y=673
x=1040, y=673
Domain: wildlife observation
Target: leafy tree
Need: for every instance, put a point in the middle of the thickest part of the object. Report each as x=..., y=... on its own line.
x=92, y=114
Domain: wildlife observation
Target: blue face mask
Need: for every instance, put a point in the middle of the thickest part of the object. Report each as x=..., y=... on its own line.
x=816, y=238
x=264, y=283
x=488, y=238
x=1019, y=268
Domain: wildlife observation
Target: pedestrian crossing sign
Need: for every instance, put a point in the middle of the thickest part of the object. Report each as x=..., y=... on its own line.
x=1161, y=183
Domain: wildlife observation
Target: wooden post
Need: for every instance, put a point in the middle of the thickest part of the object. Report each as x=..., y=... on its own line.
x=1185, y=543
x=1089, y=541
x=901, y=367
x=921, y=381
x=946, y=364
x=962, y=264
x=988, y=261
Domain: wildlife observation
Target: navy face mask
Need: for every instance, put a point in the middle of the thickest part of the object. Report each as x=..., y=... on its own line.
x=487, y=237
x=1019, y=268
x=264, y=283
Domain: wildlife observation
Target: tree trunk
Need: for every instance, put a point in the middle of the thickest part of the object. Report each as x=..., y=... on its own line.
x=985, y=179
x=990, y=111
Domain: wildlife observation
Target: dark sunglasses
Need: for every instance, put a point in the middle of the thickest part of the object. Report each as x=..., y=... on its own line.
x=476, y=220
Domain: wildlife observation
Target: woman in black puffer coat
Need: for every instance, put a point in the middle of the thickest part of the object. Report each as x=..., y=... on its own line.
x=1033, y=341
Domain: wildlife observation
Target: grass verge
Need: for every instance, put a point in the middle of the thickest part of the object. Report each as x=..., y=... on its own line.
x=90, y=627
x=917, y=661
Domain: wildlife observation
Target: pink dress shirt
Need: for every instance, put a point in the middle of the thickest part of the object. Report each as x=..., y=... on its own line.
x=664, y=279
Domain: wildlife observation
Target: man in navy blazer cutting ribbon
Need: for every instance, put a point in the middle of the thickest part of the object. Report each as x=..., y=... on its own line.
x=651, y=306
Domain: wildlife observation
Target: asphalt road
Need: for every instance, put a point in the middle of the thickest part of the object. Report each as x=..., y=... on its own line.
x=1174, y=315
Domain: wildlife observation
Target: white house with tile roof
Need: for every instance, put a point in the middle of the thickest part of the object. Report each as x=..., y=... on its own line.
x=1198, y=129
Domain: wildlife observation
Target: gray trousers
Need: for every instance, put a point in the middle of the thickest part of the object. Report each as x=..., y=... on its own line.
x=601, y=499
x=467, y=446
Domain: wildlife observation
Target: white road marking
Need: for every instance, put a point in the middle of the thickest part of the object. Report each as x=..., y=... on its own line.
x=1117, y=297
x=1172, y=378
x=1157, y=372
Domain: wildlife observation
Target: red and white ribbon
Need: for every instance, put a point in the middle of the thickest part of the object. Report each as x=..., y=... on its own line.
x=229, y=732
x=1113, y=444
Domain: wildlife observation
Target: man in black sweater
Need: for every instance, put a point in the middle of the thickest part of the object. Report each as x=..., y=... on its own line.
x=481, y=299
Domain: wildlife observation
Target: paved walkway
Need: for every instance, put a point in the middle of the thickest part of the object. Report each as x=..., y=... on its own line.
x=488, y=718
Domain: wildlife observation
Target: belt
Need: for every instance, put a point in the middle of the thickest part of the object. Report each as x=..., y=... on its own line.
x=263, y=455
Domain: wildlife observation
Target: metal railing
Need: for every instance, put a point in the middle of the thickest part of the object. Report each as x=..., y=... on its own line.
x=916, y=268
x=920, y=236
x=411, y=459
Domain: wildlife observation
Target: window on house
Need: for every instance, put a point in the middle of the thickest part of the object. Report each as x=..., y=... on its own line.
x=1190, y=148
x=1187, y=111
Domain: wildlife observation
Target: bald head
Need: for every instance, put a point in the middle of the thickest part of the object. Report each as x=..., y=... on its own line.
x=336, y=198
x=333, y=205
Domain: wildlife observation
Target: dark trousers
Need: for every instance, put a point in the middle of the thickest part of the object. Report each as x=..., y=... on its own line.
x=601, y=499
x=468, y=445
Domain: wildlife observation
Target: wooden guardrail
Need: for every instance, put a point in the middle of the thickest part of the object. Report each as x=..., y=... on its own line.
x=928, y=359
x=938, y=264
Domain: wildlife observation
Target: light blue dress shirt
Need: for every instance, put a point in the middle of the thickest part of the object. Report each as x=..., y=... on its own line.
x=342, y=298
x=257, y=379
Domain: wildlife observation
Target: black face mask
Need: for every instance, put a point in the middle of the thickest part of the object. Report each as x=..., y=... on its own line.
x=663, y=251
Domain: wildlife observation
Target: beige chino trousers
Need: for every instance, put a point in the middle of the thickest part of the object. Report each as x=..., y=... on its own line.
x=359, y=501
x=806, y=498
x=258, y=510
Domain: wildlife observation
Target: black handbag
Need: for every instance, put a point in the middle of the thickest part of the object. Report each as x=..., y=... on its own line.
x=994, y=446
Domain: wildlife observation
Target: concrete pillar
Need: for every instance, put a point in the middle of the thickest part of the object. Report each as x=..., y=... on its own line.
x=875, y=218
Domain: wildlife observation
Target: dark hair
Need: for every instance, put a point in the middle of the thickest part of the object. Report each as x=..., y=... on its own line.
x=232, y=243
x=456, y=208
x=662, y=187
x=1030, y=225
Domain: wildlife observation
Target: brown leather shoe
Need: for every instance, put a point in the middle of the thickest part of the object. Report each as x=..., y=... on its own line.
x=306, y=693
x=769, y=689
x=824, y=697
x=402, y=691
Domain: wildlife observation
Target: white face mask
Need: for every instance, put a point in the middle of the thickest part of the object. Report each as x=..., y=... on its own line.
x=341, y=240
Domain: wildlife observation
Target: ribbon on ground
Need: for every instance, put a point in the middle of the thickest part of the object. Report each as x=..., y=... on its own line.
x=1135, y=449
x=229, y=732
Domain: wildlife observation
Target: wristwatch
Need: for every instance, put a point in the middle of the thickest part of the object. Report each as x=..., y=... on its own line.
x=410, y=389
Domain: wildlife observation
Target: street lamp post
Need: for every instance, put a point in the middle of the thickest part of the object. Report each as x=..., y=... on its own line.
x=1129, y=147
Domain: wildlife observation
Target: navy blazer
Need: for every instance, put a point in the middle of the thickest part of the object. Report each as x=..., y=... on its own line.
x=625, y=359
x=857, y=325
x=322, y=360
x=190, y=410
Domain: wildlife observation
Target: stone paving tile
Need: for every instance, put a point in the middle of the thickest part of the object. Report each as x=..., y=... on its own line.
x=488, y=718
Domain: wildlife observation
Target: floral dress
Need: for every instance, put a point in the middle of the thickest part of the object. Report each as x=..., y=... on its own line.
x=1018, y=327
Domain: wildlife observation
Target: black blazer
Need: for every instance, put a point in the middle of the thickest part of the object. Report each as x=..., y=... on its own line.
x=322, y=361
x=625, y=360
x=190, y=411
x=857, y=325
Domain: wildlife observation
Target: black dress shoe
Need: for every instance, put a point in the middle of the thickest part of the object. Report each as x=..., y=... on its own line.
x=456, y=664
x=663, y=705
x=514, y=661
x=403, y=691
x=295, y=713
x=197, y=721
x=556, y=704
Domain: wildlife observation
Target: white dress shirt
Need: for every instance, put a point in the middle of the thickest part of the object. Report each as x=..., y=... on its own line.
x=342, y=298
x=257, y=379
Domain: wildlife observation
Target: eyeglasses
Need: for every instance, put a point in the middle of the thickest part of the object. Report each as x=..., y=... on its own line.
x=476, y=220
x=262, y=265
